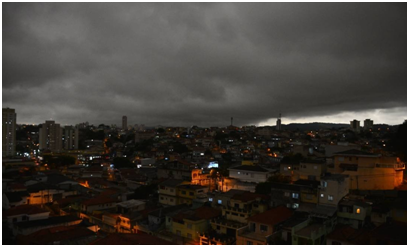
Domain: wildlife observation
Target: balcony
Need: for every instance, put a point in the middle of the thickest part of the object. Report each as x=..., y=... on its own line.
x=238, y=210
x=227, y=223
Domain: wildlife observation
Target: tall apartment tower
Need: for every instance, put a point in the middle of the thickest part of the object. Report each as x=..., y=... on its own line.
x=70, y=138
x=278, y=124
x=354, y=124
x=51, y=136
x=9, y=132
x=368, y=124
x=124, y=123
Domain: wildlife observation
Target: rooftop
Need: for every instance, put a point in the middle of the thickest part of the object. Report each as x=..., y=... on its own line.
x=56, y=234
x=171, y=182
x=25, y=209
x=47, y=222
x=248, y=196
x=272, y=216
x=131, y=239
x=356, y=152
x=249, y=168
x=130, y=203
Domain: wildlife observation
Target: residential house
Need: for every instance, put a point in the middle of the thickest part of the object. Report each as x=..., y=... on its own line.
x=28, y=227
x=168, y=194
x=369, y=171
x=250, y=173
x=263, y=228
x=61, y=235
x=189, y=224
x=24, y=213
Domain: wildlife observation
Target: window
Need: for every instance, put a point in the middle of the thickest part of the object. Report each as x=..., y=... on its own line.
x=183, y=192
x=219, y=201
x=191, y=193
x=322, y=195
x=315, y=167
x=263, y=228
x=218, y=227
x=179, y=233
x=238, y=173
x=210, y=199
x=236, y=205
x=295, y=195
x=285, y=169
x=287, y=194
x=171, y=200
x=324, y=184
x=189, y=226
x=330, y=198
x=235, y=214
x=341, y=159
x=358, y=210
x=161, y=197
x=296, y=205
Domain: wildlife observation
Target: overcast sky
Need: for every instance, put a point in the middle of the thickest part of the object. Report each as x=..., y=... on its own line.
x=181, y=64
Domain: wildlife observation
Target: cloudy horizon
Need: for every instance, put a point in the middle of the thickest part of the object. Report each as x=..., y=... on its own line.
x=184, y=64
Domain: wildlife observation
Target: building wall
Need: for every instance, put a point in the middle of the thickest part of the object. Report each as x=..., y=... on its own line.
x=373, y=173
x=190, y=229
x=168, y=200
x=249, y=176
x=92, y=208
x=42, y=197
x=25, y=217
x=9, y=132
x=51, y=136
x=70, y=138
x=333, y=192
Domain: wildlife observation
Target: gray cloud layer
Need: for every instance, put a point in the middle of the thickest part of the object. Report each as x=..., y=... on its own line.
x=200, y=64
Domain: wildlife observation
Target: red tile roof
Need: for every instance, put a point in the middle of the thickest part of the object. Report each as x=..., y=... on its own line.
x=99, y=200
x=54, y=234
x=248, y=196
x=24, y=209
x=131, y=238
x=272, y=216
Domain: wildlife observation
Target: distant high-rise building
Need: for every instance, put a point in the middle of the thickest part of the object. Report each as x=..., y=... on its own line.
x=51, y=136
x=124, y=122
x=70, y=138
x=9, y=132
x=278, y=125
x=368, y=124
x=355, y=125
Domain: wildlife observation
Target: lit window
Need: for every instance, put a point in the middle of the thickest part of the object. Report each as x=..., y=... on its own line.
x=238, y=173
x=322, y=195
x=330, y=198
x=295, y=195
x=219, y=201
x=210, y=199
x=296, y=205
x=358, y=210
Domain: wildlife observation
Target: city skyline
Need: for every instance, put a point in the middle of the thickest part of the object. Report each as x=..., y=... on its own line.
x=199, y=64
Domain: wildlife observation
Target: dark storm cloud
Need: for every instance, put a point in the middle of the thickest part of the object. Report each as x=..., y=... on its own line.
x=201, y=63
